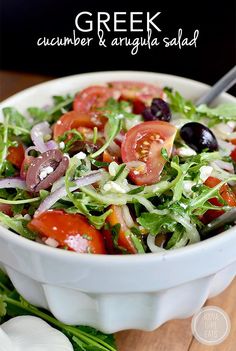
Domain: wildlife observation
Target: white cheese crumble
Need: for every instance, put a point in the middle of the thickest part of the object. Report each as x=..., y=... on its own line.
x=27, y=217
x=205, y=172
x=187, y=186
x=185, y=151
x=113, y=187
x=80, y=156
x=62, y=145
x=45, y=172
x=112, y=168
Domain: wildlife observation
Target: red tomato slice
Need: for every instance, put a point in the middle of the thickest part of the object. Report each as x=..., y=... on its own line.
x=233, y=155
x=93, y=98
x=227, y=195
x=137, y=91
x=76, y=120
x=71, y=230
x=144, y=143
x=138, y=106
x=16, y=155
x=124, y=239
x=233, y=141
x=108, y=157
x=5, y=208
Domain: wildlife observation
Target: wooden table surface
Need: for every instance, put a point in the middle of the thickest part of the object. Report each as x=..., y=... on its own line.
x=174, y=335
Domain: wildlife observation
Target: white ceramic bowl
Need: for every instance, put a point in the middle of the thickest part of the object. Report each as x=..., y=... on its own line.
x=113, y=293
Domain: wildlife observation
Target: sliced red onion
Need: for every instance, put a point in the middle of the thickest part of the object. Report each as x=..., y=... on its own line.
x=91, y=178
x=13, y=183
x=30, y=149
x=225, y=147
x=227, y=166
x=152, y=246
x=127, y=216
x=51, y=145
x=38, y=132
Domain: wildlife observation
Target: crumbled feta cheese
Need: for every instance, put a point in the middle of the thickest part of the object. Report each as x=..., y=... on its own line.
x=80, y=156
x=27, y=217
x=112, y=168
x=113, y=187
x=205, y=172
x=51, y=242
x=187, y=186
x=62, y=145
x=45, y=172
x=185, y=151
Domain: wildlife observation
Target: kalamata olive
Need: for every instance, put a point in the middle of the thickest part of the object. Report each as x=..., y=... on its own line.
x=45, y=169
x=198, y=137
x=85, y=146
x=159, y=110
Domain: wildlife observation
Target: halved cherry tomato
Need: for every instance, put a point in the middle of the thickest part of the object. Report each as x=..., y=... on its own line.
x=144, y=143
x=5, y=208
x=76, y=120
x=138, y=106
x=107, y=157
x=124, y=240
x=227, y=195
x=70, y=230
x=16, y=155
x=93, y=98
x=233, y=141
x=233, y=155
x=25, y=165
x=137, y=91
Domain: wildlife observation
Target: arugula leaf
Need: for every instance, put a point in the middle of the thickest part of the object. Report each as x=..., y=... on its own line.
x=116, y=112
x=17, y=225
x=16, y=121
x=164, y=154
x=62, y=104
x=74, y=136
x=179, y=104
x=175, y=237
x=38, y=114
x=4, y=144
x=120, y=108
x=220, y=114
x=3, y=307
x=155, y=223
x=99, y=221
x=114, y=125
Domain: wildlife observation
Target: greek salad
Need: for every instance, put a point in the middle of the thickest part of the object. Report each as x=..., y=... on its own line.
x=120, y=168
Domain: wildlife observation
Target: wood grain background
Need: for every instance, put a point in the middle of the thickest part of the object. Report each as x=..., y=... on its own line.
x=174, y=335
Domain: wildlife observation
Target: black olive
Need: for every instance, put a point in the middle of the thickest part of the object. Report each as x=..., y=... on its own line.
x=51, y=158
x=198, y=137
x=159, y=110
